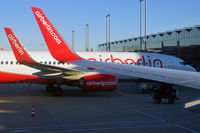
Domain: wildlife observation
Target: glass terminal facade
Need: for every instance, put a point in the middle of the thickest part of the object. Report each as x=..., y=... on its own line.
x=189, y=36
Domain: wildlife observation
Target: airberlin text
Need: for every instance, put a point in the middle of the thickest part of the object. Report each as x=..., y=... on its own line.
x=48, y=27
x=14, y=42
x=101, y=83
x=141, y=61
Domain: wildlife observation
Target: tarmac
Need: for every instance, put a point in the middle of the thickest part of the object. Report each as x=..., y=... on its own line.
x=91, y=112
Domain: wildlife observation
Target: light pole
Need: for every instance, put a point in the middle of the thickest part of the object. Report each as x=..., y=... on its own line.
x=141, y=25
x=73, y=45
x=87, y=37
x=145, y=36
x=108, y=32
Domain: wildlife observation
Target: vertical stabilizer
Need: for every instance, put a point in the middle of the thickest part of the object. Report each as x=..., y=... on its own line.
x=20, y=53
x=56, y=45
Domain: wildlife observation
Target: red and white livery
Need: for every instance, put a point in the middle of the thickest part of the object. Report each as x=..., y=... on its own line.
x=88, y=70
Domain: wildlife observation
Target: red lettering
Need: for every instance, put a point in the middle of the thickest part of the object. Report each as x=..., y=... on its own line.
x=90, y=68
x=149, y=60
x=92, y=59
x=125, y=62
x=100, y=59
x=154, y=63
x=107, y=59
x=130, y=61
x=138, y=61
x=115, y=59
x=143, y=60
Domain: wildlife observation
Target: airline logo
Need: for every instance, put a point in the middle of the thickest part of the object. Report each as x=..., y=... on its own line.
x=48, y=26
x=101, y=83
x=14, y=42
x=142, y=60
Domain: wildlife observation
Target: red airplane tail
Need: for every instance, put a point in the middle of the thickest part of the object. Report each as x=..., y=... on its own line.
x=56, y=45
x=20, y=53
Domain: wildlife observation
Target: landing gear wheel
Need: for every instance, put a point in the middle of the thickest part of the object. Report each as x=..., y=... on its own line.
x=58, y=91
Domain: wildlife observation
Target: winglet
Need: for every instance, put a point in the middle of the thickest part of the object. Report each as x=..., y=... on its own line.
x=20, y=53
x=56, y=45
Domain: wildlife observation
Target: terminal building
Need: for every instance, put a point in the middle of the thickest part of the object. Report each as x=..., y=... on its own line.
x=183, y=43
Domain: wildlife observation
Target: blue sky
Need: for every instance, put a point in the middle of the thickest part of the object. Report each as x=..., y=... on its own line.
x=68, y=15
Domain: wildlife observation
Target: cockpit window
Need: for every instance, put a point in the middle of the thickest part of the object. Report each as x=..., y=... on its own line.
x=183, y=63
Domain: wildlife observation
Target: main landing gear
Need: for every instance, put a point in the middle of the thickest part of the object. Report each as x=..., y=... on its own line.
x=56, y=91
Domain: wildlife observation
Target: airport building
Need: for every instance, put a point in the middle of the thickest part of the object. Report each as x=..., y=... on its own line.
x=183, y=43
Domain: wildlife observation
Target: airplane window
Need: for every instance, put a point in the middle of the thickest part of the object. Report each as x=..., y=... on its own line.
x=17, y=62
x=11, y=62
x=1, y=62
x=54, y=62
x=6, y=62
x=41, y=62
x=58, y=63
x=45, y=62
x=49, y=62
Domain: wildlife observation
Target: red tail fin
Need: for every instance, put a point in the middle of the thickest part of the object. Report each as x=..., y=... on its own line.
x=57, y=47
x=20, y=54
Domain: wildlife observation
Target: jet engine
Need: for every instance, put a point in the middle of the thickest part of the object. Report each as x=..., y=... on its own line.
x=98, y=82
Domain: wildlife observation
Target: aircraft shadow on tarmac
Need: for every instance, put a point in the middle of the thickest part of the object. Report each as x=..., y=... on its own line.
x=39, y=90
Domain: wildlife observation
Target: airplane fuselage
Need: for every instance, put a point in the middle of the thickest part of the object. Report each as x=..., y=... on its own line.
x=9, y=65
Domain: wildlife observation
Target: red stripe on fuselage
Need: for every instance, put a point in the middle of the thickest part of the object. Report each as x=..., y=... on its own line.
x=18, y=78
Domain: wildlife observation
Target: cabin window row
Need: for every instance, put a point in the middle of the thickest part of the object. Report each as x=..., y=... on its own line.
x=59, y=63
x=45, y=62
x=8, y=62
x=52, y=63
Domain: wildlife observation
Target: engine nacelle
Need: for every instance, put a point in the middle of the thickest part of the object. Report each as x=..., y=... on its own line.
x=99, y=82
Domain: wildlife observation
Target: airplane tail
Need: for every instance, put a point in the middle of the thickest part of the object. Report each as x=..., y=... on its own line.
x=56, y=45
x=20, y=53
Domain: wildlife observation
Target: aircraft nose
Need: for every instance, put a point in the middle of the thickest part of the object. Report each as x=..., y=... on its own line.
x=191, y=68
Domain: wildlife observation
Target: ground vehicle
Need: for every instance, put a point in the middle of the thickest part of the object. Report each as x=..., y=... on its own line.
x=165, y=91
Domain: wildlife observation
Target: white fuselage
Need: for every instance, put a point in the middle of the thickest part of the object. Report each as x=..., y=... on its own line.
x=8, y=63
